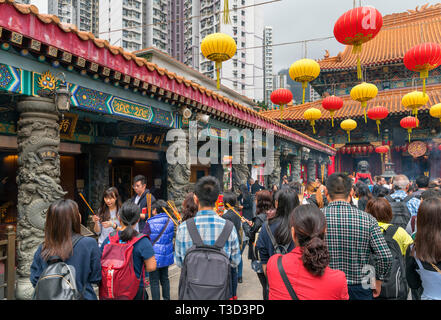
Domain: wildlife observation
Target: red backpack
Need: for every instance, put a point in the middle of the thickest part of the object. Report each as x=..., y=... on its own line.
x=118, y=278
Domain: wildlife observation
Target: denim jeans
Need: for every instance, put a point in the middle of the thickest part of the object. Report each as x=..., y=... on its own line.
x=160, y=275
x=233, y=283
x=356, y=292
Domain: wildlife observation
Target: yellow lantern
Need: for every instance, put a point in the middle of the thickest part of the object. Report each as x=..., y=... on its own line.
x=435, y=111
x=312, y=114
x=364, y=92
x=218, y=47
x=413, y=100
x=304, y=71
x=348, y=125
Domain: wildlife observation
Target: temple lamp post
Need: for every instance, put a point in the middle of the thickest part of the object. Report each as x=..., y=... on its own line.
x=62, y=96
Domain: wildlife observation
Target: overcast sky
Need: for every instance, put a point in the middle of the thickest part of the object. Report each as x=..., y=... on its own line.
x=294, y=20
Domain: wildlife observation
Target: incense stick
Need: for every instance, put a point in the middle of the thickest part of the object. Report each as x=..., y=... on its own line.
x=231, y=208
x=81, y=195
x=170, y=216
x=175, y=210
x=149, y=204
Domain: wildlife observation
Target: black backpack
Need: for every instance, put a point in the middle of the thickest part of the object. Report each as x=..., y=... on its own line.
x=400, y=212
x=395, y=286
x=278, y=248
x=206, y=271
x=57, y=281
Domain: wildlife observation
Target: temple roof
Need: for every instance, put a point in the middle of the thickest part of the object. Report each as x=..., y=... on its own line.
x=391, y=99
x=400, y=32
x=68, y=38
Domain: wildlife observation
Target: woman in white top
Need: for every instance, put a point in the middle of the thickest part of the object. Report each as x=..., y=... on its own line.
x=107, y=219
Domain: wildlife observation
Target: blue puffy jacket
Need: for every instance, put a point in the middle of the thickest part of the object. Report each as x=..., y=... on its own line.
x=164, y=252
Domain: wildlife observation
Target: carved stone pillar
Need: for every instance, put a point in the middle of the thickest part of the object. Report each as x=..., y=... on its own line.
x=98, y=173
x=274, y=177
x=240, y=172
x=38, y=180
x=178, y=175
x=296, y=168
x=312, y=174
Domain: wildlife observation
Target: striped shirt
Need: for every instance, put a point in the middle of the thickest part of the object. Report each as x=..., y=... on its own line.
x=352, y=235
x=209, y=226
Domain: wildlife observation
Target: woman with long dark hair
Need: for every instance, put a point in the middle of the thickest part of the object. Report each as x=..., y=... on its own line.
x=189, y=207
x=307, y=266
x=246, y=202
x=264, y=208
x=61, y=230
x=106, y=220
x=423, y=258
x=275, y=236
x=143, y=253
x=363, y=194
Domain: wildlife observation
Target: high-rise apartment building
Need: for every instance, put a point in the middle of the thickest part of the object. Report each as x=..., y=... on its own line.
x=82, y=13
x=244, y=72
x=121, y=23
x=268, y=78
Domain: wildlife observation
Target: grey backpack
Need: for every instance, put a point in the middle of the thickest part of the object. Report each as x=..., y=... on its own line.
x=57, y=281
x=400, y=211
x=206, y=271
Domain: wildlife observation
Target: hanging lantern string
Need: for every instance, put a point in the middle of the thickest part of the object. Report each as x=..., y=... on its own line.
x=226, y=15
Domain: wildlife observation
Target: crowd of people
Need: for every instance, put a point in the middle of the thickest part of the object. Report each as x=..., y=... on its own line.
x=335, y=240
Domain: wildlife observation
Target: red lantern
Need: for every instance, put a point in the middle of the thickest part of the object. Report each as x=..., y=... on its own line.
x=364, y=149
x=281, y=97
x=371, y=149
x=397, y=148
x=423, y=58
x=332, y=104
x=439, y=147
x=358, y=26
x=378, y=114
x=409, y=123
x=382, y=150
x=358, y=149
x=354, y=149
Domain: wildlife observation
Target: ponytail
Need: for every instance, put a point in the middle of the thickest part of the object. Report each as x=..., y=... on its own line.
x=315, y=256
x=129, y=215
x=309, y=224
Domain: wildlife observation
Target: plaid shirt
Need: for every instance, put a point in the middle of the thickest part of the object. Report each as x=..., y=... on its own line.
x=209, y=226
x=352, y=236
x=413, y=204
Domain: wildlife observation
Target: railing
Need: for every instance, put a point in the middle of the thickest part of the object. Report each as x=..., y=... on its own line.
x=7, y=257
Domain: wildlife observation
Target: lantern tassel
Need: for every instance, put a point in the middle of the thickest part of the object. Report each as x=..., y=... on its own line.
x=359, y=74
x=378, y=126
x=349, y=136
x=356, y=49
x=226, y=12
x=304, y=85
x=409, y=131
x=218, y=67
x=313, y=126
x=332, y=118
x=281, y=111
x=365, y=117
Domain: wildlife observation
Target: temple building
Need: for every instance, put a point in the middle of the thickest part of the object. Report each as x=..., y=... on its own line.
x=382, y=65
x=78, y=115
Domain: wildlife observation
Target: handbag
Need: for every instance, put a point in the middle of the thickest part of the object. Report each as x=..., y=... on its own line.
x=288, y=285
